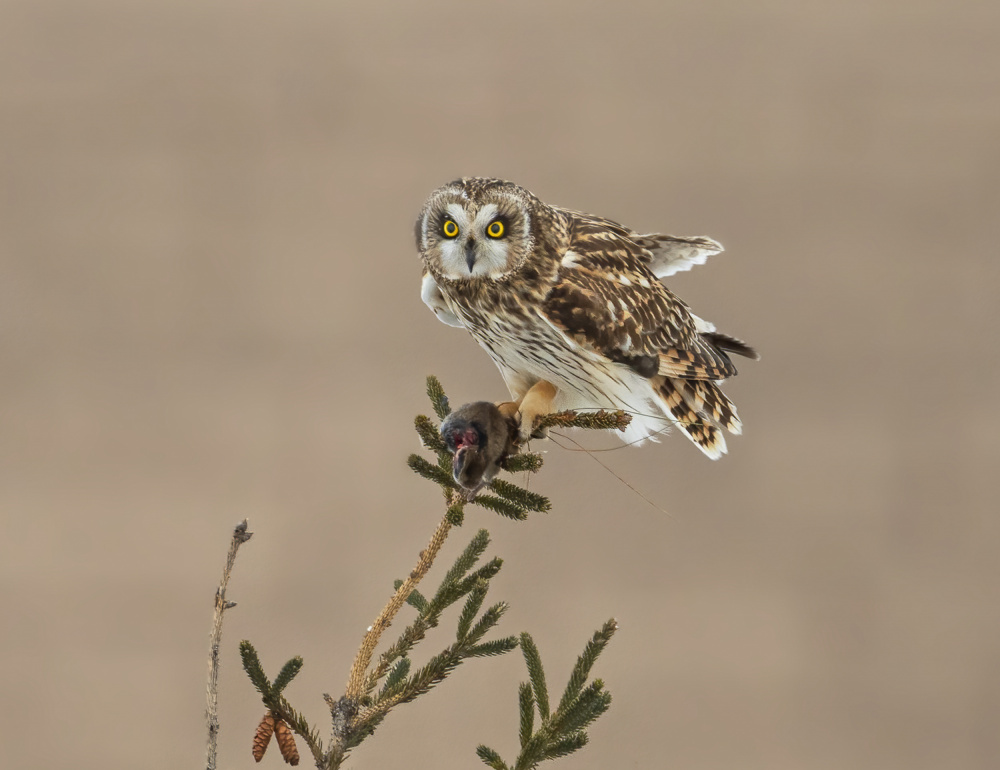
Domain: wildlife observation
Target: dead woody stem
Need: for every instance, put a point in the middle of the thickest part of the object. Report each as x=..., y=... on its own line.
x=240, y=536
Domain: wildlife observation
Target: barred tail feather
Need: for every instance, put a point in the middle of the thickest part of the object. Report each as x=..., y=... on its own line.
x=708, y=400
x=699, y=408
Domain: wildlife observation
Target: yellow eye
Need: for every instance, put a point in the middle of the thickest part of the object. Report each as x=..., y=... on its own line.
x=495, y=230
x=449, y=228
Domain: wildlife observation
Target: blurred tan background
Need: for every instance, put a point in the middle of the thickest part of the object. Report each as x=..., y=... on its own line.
x=209, y=310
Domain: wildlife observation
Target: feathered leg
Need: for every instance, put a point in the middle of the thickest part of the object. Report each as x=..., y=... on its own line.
x=537, y=402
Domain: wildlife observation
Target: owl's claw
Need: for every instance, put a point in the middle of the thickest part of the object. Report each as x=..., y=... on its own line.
x=527, y=410
x=523, y=429
x=509, y=409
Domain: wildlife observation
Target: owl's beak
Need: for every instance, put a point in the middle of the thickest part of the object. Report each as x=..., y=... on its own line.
x=470, y=254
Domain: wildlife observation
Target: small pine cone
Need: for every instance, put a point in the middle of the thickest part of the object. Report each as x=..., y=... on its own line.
x=263, y=736
x=286, y=742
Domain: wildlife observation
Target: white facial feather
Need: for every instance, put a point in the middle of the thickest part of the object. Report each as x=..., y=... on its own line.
x=457, y=212
x=453, y=249
x=490, y=253
x=491, y=259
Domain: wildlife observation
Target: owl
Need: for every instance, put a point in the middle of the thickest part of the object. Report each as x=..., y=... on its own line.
x=571, y=309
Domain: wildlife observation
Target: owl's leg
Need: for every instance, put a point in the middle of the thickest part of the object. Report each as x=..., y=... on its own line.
x=509, y=408
x=518, y=390
x=536, y=403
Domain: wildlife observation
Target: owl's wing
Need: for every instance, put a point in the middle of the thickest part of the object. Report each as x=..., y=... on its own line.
x=673, y=253
x=665, y=254
x=609, y=301
x=432, y=296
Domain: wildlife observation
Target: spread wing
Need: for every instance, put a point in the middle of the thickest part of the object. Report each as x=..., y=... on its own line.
x=609, y=301
x=664, y=254
x=671, y=254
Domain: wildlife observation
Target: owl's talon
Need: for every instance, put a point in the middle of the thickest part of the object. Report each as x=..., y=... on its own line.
x=526, y=429
x=512, y=410
x=509, y=409
x=535, y=404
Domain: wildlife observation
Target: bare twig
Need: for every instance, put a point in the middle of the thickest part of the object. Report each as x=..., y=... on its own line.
x=240, y=536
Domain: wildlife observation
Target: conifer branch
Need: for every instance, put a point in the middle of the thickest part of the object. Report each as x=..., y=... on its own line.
x=504, y=508
x=491, y=758
x=278, y=707
x=415, y=599
x=429, y=434
x=586, y=661
x=433, y=472
x=485, y=623
x=365, y=703
x=465, y=561
x=495, y=647
x=287, y=674
x=529, y=462
x=565, y=746
x=526, y=705
x=462, y=580
x=251, y=664
x=439, y=401
x=436, y=670
x=599, y=420
x=301, y=727
x=356, y=681
x=472, y=606
x=408, y=639
x=456, y=512
x=530, y=501
x=486, y=572
x=453, y=587
x=562, y=731
x=537, y=674
x=398, y=674
x=582, y=711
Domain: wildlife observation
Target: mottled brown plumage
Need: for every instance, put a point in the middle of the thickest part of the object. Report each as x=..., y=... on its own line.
x=575, y=300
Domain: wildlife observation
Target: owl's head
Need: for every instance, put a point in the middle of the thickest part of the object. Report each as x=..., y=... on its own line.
x=476, y=228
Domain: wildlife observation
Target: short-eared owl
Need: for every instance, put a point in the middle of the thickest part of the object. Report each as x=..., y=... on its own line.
x=571, y=309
